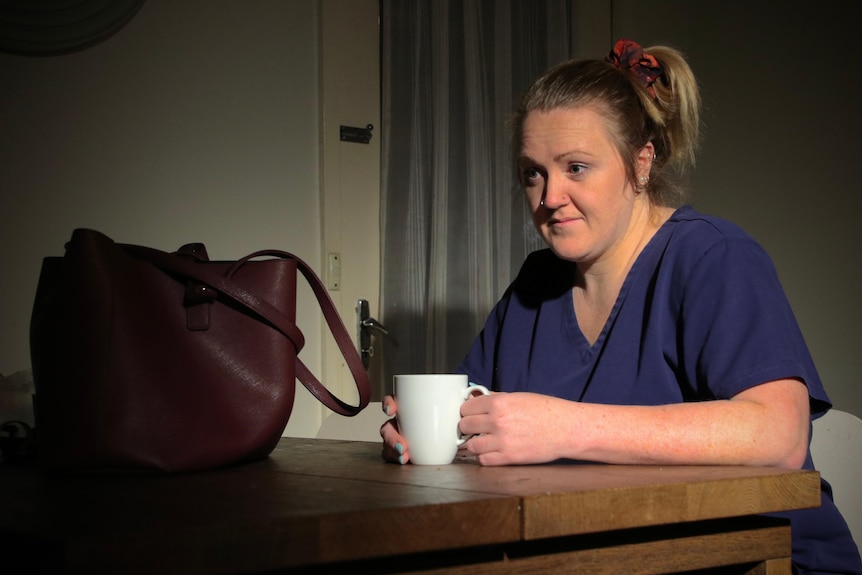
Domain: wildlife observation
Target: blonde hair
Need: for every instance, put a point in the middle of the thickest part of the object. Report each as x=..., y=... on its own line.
x=670, y=119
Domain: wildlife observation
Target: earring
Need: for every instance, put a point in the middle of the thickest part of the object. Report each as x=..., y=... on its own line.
x=642, y=184
x=542, y=202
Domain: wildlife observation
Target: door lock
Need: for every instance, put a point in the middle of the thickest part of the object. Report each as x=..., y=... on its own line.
x=365, y=325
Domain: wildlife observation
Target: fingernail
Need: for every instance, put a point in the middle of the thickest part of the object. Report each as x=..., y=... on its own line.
x=386, y=409
x=399, y=448
x=401, y=459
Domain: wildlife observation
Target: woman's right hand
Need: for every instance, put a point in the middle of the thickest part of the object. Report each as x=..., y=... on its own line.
x=394, y=445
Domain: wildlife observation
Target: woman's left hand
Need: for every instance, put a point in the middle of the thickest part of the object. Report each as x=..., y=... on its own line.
x=512, y=428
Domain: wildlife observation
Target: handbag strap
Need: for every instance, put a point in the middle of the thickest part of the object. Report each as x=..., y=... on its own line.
x=224, y=284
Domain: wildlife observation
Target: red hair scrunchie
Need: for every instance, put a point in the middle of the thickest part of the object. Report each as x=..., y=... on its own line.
x=629, y=55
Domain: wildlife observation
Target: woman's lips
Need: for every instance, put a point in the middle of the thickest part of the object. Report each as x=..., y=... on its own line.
x=563, y=221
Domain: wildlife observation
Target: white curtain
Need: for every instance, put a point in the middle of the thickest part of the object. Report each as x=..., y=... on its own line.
x=455, y=224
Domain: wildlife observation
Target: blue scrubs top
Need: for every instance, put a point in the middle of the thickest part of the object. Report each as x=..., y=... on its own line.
x=701, y=315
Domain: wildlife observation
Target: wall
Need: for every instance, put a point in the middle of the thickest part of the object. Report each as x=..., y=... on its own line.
x=196, y=122
x=781, y=150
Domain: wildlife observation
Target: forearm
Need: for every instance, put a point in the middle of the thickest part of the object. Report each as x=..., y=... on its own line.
x=762, y=426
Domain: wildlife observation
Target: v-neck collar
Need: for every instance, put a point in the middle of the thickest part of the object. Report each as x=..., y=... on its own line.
x=589, y=351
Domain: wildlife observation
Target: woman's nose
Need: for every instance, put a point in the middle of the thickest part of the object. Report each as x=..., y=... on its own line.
x=554, y=194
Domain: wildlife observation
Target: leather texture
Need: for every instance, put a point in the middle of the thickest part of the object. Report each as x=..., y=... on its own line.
x=168, y=362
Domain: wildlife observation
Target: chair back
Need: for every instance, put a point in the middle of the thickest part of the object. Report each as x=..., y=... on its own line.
x=836, y=447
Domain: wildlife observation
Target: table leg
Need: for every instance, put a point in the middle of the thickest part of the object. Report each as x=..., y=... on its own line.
x=772, y=567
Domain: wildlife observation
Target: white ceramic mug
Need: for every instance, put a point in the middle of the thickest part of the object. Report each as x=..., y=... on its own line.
x=429, y=410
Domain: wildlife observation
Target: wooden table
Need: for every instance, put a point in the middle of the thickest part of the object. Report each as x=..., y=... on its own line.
x=334, y=506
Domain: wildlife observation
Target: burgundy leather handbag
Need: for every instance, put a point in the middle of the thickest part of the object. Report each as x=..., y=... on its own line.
x=168, y=362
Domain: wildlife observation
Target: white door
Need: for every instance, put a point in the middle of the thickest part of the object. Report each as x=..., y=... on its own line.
x=350, y=171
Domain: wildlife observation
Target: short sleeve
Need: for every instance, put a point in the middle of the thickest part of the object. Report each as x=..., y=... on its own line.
x=738, y=329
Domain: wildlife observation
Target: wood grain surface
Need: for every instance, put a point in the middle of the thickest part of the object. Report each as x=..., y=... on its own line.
x=336, y=504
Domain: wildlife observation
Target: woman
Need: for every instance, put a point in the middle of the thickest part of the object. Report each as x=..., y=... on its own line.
x=644, y=334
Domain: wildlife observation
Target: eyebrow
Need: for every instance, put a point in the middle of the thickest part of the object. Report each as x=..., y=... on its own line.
x=527, y=159
x=561, y=156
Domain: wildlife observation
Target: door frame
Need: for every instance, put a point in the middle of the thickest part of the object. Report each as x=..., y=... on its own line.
x=349, y=171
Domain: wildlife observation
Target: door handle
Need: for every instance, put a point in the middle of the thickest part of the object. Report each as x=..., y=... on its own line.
x=365, y=325
x=372, y=323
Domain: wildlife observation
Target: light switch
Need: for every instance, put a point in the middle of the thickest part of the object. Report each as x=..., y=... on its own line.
x=333, y=271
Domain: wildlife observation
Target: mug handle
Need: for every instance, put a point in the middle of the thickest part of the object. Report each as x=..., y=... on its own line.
x=468, y=393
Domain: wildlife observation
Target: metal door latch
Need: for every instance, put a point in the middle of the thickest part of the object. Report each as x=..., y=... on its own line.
x=356, y=135
x=365, y=324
